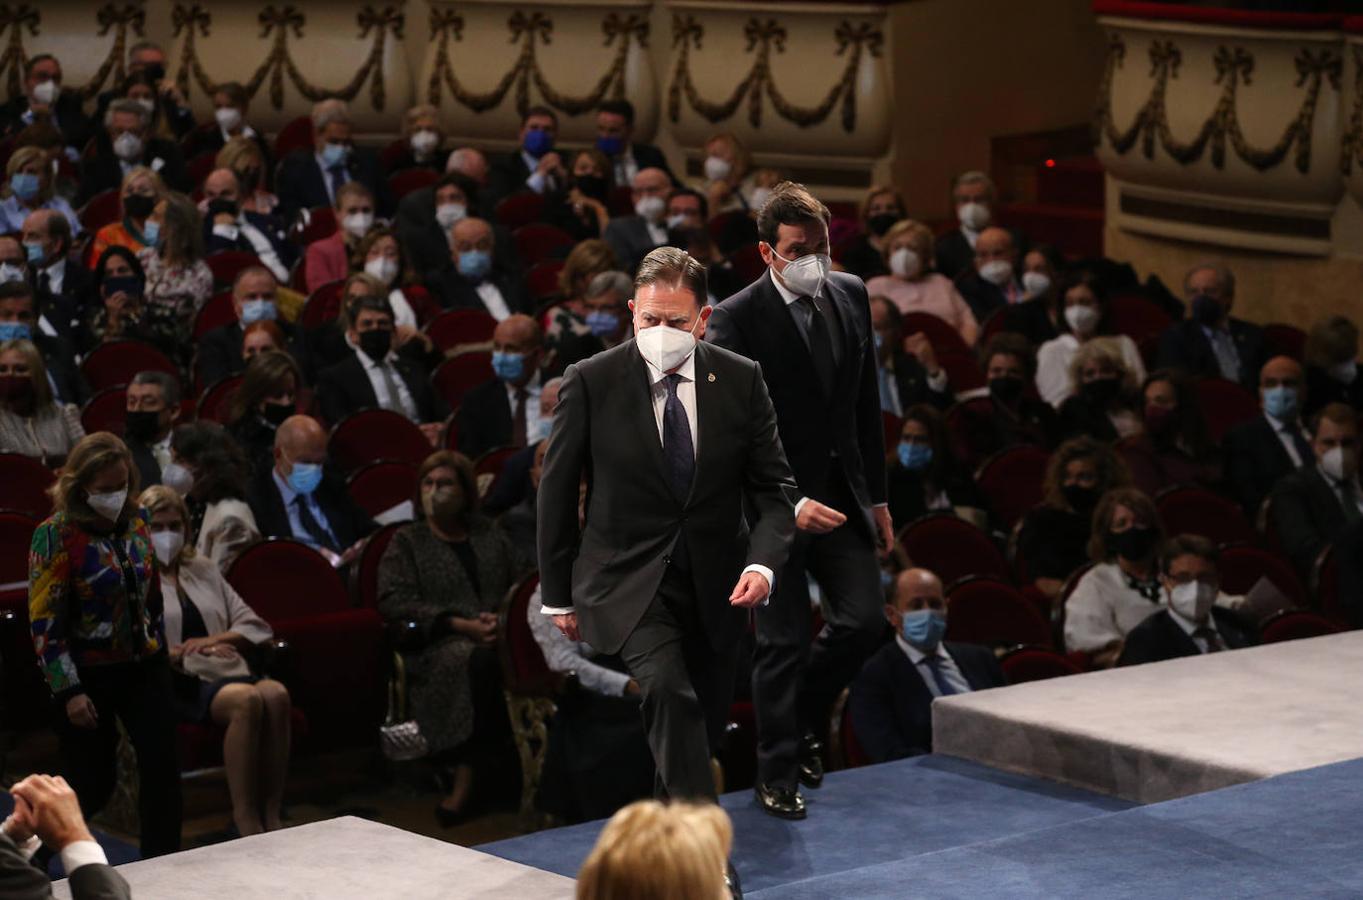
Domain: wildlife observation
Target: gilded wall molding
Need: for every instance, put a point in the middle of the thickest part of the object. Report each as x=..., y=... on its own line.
x=23, y=17
x=278, y=23
x=1234, y=66
x=762, y=35
x=530, y=30
x=1353, y=135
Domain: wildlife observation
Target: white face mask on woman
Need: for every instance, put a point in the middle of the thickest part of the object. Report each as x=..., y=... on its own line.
x=108, y=504
x=906, y=263
x=167, y=545
x=382, y=268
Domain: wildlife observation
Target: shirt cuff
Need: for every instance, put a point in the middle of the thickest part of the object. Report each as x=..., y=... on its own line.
x=766, y=573
x=556, y=610
x=536, y=182
x=82, y=853
x=938, y=383
x=880, y=506
x=800, y=503
x=229, y=232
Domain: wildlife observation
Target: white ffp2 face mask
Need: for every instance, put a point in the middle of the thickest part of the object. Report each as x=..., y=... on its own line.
x=108, y=504
x=1339, y=464
x=1082, y=319
x=167, y=545
x=666, y=347
x=1193, y=600
x=178, y=478
x=806, y=274
x=997, y=272
x=973, y=215
x=1036, y=283
x=905, y=263
x=382, y=268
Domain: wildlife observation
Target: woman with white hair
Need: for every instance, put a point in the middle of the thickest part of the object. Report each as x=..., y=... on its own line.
x=1103, y=396
x=420, y=147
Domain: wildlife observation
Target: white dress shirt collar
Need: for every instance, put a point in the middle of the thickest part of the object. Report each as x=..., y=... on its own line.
x=56, y=275
x=915, y=655
x=786, y=293
x=687, y=370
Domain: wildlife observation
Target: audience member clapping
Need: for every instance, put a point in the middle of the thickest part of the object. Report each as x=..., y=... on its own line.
x=1081, y=316
x=912, y=285
x=1332, y=365
x=222, y=522
x=1262, y=451
x=923, y=475
x=652, y=851
x=1314, y=504
x=141, y=189
x=29, y=187
x=32, y=423
x=1174, y=448
x=1104, y=393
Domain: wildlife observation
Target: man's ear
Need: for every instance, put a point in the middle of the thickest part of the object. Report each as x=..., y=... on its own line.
x=764, y=250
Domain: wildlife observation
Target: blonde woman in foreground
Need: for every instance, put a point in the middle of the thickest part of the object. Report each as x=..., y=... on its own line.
x=655, y=851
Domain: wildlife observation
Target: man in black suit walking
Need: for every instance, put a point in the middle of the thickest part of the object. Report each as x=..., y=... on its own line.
x=1211, y=342
x=810, y=330
x=1192, y=623
x=1262, y=451
x=891, y=699
x=671, y=438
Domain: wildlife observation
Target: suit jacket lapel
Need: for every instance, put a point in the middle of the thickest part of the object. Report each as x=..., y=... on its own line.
x=789, y=339
x=362, y=382
x=708, y=397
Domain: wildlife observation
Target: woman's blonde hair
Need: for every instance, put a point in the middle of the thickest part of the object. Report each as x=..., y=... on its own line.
x=918, y=233
x=92, y=455
x=37, y=370
x=742, y=158
x=653, y=851
x=159, y=497
x=1103, y=350
x=587, y=260
x=420, y=111
x=23, y=157
x=233, y=154
x=157, y=185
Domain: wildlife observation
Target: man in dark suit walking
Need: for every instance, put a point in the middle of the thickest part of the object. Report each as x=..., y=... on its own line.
x=1262, y=451
x=810, y=330
x=47, y=813
x=1191, y=624
x=310, y=178
x=1313, y=505
x=891, y=699
x=671, y=438
x=1211, y=342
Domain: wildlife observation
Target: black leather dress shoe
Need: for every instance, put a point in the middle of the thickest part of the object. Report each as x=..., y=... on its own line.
x=811, y=761
x=782, y=802
x=732, y=882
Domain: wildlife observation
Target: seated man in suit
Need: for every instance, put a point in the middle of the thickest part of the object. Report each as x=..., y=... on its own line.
x=906, y=378
x=1262, y=451
x=505, y=411
x=686, y=208
x=153, y=408
x=519, y=479
x=43, y=96
x=373, y=375
x=47, y=813
x=1314, y=504
x=476, y=276
x=534, y=165
x=20, y=321
x=123, y=145
x=150, y=57
x=615, y=138
x=632, y=237
x=1210, y=341
x=991, y=282
x=309, y=178
x=297, y=498
x=973, y=197
x=1192, y=622
x=254, y=299
x=228, y=227
x=62, y=288
x=891, y=699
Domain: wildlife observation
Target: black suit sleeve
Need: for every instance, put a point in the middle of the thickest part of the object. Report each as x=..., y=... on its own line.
x=333, y=397
x=97, y=881
x=564, y=461
x=1241, y=471
x=870, y=425
x=872, y=704
x=1301, y=534
x=19, y=879
x=722, y=330
x=1349, y=549
x=768, y=482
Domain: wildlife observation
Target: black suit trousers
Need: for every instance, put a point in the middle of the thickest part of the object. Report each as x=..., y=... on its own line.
x=139, y=695
x=795, y=682
x=686, y=686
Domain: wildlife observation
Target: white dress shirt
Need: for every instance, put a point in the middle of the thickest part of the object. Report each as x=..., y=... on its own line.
x=1053, y=360
x=161, y=450
x=492, y=298
x=1284, y=438
x=73, y=855
x=626, y=166
x=951, y=673
x=537, y=180
x=657, y=232
x=56, y=276
x=1191, y=628
x=402, y=403
x=259, y=242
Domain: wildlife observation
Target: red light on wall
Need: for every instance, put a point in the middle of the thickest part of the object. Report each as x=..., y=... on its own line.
x=1050, y=164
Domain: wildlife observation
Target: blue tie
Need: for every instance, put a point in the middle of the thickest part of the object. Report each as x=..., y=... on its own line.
x=338, y=178
x=678, y=450
x=934, y=665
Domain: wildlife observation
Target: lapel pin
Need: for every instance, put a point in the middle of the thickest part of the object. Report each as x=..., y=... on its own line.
x=712, y=377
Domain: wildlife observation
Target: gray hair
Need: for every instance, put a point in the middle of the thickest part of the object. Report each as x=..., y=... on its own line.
x=610, y=281
x=169, y=385
x=462, y=157
x=974, y=176
x=144, y=45
x=1223, y=275
x=328, y=111
x=131, y=107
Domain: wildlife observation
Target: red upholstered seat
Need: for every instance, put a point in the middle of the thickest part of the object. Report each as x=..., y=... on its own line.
x=216, y=313
x=402, y=183
x=198, y=745
x=1136, y=317
x=365, y=571
x=747, y=262
x=488, y=467
x=1284, y=340
x=1242, y=565
x=314, y=225
x=323, y=305
x=200, y=167
x=23, y=488
x=943, y=337
x=116, y=362
x=993, y=323
x=520, y=209
x=524, y=670
x=1036, y=664
x=1294, y=624
x=538, y=241
x=373, y=434
x=216, y=399
x=286, y=579
x=295, y=135
x=963, y=371
x=461, y=326
x=542, y=279
x=16, y=533
x=951, y=547
x=104, y=208
x=1224, y=405
x=379, y=486
x=227, y=264
x=1011, y=480
x=460, y=374
x=893, y=426
x=1194, y=510
x=422, y=303
x=989, y=611
x=106, y=410
x=961, y=423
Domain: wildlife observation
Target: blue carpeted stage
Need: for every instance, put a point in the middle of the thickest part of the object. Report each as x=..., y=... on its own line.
x=940, y=827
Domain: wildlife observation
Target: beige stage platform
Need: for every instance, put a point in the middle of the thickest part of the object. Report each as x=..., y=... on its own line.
x=1166, y=730
x=338, y=859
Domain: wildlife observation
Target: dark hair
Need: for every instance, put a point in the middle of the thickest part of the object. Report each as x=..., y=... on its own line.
x=357, y=259
x=464, y=183
x=1089, y=279
x=1192, y=427
x=264, y=377
x=1051, y=254
x=168, y=383
x=1186, y=545
x=1339, y=413
x=221, y=469
x=1134, y=499
x=1112, y=471
x=463, y=472
x=932, y=420
x=356, y=305
x=692, y=192
x=896, y=317
x=123, y=253
x=1010, y=343
x=34, y=60
x=539, y=111
x=234, y=91
x=789, y=204
x=672, y=267
x=13, y=290
x=622, y=108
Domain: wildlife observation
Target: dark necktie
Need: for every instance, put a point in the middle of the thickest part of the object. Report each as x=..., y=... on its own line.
x=44, y=283
x=1299, y=441
x=820, y=344
x=518, y=419
x=312, y=526
x=678, y=450
x=337, y=173
x=1212, y=639
x=934, y=665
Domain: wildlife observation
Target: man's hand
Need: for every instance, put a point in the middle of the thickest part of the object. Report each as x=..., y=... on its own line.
x=80, y=709
x=19, y=826
x=568, y=625
x=487, y=627
x=918, y=345
x=886, y=528
x=550, y=164
x=817, y=518
x=352, y=553
x=56, y=810
x=750, y=591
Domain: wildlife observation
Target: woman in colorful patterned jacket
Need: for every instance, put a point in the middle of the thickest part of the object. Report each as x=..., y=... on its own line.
x=94, y=600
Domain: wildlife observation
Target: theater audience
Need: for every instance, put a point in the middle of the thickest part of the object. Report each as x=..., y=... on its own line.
x=514, y=491
x=475, y=276
x=1332, y=365
x=606, y=314
x=505, y=411
x=923, y=476
x=649, y=849
x=254, y=300
x=179, y=282
x=730, y=185
x=420, y=142
x=295, y=498
x=1053, y=538
x=534, y=166
x=448, y=573
x=47, y=813
x=1081, y=317
x=972, y=197
x=615, y=139
x=1312, y=505
x=328, y=259
x=43, y=99
x=28, y=187
x=1102, y=401
x=61, y=288
x=380, y=256
x=1122, y=588
x=251, y=162
x=106, y=665
x=125, y=143
x=425, y=216
x=1012, y=417
x=907, y=368
x=222, y=523
x=1261, y=452
x=891, y=699
x=312, y=178
x=267, y=396
x=152, y=409
x=632, y=237
x=141, y=190
x=214, y=641
x=864, y=254
x=19, y=322
x=1210, y=341
x=580, y=207
x=230, y=227
x=1173, y=448
x=32, y=423
x=231, y=109
x=991, y=284
x=170, y=119
x=1193, y=621
x=911, y=285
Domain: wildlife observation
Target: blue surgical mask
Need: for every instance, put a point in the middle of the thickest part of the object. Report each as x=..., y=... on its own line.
x=35, y=253
x=914, y=457
x=508, y=366
x=151, y=233
x=923, y=629
x=24, y=185
x=475, y=264
x=1281, y=403
x=603, y=322
x=611, y=146
x=258, y=310
x=15, y=331
x=538, y=142
x=305, y=477
x=334, y=154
